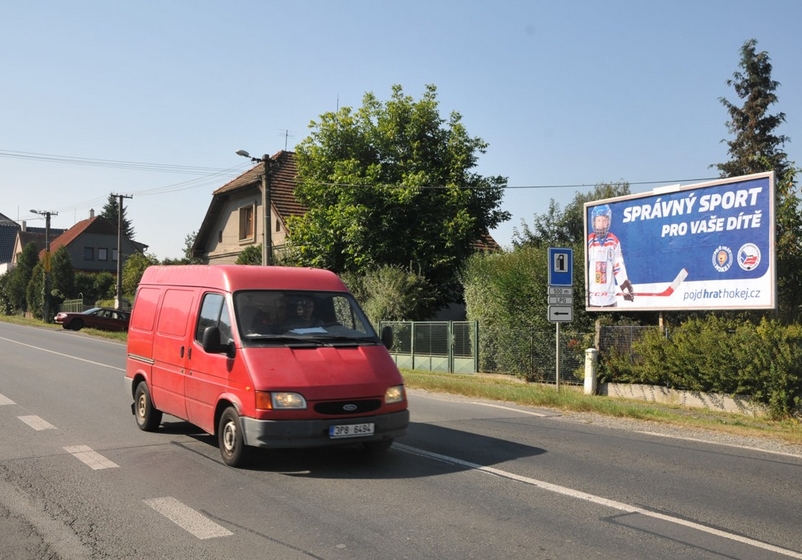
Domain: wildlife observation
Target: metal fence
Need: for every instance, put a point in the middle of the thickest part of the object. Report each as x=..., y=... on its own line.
x=448, y=346
x=72, y=306
x=467, y=347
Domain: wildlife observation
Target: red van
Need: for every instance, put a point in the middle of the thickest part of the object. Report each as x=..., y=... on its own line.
x=259, y=356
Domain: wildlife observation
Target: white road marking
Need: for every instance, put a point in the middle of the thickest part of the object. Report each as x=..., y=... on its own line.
x=188, y=519
x=710, y=442
x=570, y=492
x=89, y=457
x=62, y=354
x=37, y=423
x=5, y=400
x=518, y=410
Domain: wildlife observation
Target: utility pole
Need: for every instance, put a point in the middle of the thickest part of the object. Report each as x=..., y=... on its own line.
x=46, y=263
x=267, y=246
x=267, y=231
x=118, y=298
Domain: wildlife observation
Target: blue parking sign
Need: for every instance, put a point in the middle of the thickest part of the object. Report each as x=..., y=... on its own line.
x=561, y=266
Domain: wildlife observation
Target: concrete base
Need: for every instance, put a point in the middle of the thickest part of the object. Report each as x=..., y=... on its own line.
x=710, y=401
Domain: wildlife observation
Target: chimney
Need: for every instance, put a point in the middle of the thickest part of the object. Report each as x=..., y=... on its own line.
x=91, y=213
x=24, y=226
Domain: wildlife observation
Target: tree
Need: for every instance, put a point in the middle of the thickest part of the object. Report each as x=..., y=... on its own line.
x=390, y=293
x=34, y=291
x=189, y=241
x=252, y=254
x=133, y=269
x=566, y=228
x=391, y=183
x=21, y=277
x=62, y=277
x=111, y=212
x=756, y=148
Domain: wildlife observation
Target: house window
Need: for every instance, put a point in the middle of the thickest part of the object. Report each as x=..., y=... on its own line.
x=102, y=254
x=114, y=255
x=89, y=253
x=246, y=223
x=278, y=224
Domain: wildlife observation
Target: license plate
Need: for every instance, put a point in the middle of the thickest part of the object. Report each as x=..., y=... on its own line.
x=350, y=430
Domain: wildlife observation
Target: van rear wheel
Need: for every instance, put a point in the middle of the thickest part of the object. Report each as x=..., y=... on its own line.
x=147, y=417
x=229, y=438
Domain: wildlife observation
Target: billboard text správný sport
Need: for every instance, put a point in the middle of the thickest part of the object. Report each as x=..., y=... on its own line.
x=696, y=247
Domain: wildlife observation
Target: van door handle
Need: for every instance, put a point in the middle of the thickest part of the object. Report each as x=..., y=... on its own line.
x=189, y=353
x=181, y=352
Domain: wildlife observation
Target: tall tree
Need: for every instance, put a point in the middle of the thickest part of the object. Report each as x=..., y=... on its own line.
x=111, y=212
x=392, y=183
x=758, y=147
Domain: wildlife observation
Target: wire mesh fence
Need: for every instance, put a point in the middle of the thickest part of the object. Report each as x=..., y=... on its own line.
x=468, y=347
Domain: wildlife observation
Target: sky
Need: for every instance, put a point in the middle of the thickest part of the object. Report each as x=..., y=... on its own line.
x=151, y=99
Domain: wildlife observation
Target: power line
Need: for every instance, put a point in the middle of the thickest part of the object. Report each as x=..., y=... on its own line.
x=109, y=163
x=211, y=173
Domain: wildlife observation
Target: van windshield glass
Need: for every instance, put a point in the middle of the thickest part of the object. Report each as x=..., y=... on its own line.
x=292, y=315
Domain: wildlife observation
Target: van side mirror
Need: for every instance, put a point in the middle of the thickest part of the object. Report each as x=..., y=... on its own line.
x=212, y=344
x=387, y=336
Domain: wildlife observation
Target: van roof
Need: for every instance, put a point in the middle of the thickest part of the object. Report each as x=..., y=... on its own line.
x=234, y=277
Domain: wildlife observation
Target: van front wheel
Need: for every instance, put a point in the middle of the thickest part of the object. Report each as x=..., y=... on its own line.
x=147, y=417
x=229, y=438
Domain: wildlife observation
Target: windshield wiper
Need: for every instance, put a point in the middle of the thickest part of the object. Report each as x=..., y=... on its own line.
x=284, y=339
x=340, y=339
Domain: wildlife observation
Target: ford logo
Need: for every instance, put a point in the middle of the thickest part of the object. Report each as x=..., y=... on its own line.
x=349, y=407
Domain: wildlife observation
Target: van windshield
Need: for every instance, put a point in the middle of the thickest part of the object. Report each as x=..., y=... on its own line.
x=302, y=316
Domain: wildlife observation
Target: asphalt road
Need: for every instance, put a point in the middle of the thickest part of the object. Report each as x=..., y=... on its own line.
x=470, y=480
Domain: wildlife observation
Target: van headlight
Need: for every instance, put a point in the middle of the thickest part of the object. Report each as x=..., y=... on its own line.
x=394, y=395
x=280, y=401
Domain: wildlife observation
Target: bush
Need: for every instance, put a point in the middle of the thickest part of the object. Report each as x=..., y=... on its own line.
x=719, y=355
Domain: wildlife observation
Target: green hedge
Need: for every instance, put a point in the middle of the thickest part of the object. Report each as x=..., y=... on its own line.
x=719, y=355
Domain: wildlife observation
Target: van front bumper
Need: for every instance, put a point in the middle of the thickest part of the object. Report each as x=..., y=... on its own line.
x=315, y=433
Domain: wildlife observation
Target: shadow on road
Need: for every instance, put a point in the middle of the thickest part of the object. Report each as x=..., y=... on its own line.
x=353, y=461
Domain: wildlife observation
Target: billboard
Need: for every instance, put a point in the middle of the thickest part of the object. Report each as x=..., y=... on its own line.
x=696, y=247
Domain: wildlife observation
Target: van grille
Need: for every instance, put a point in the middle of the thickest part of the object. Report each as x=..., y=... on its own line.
x=348, y=407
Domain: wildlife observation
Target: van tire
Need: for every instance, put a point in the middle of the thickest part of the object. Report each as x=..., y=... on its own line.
x=378, y=446
x=229, y=437
x=147, y=417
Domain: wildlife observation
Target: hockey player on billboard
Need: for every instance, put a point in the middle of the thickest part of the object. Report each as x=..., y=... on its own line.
x=606, y=262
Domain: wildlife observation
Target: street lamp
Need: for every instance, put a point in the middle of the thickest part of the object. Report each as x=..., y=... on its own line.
x=267, y=235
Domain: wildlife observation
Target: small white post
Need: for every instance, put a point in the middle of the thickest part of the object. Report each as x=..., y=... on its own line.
x=591, y=359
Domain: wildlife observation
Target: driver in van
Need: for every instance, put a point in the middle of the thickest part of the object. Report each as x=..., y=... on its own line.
x=301, y=314
x=269, y=318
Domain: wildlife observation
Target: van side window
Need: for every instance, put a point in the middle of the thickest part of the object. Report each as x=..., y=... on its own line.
x=214, y=313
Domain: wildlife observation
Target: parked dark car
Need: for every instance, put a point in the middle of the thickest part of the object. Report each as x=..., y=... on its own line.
x=104, y=318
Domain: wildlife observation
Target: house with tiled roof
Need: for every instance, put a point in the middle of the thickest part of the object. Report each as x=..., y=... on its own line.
x=234, y=219
x=92, y=245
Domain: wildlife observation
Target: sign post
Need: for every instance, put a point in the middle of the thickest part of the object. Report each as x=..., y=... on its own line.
x=561, y=294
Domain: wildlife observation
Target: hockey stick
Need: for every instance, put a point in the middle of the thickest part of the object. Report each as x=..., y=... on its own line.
x=683, y=274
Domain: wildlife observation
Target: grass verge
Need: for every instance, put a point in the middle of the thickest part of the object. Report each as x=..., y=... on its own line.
x=570, y=398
